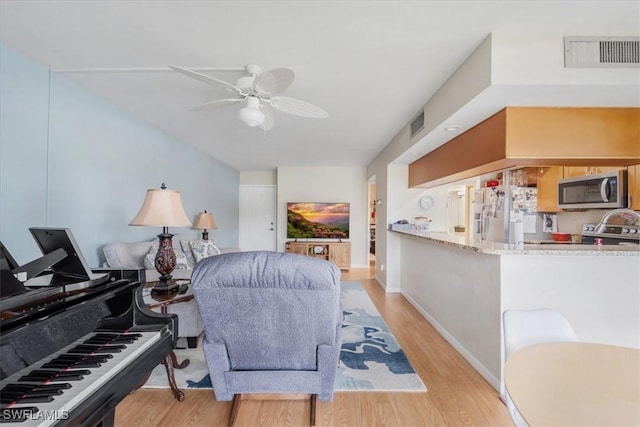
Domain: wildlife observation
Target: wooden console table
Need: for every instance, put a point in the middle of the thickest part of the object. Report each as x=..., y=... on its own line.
x=338, y=253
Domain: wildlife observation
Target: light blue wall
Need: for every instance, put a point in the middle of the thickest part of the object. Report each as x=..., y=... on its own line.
x=69, y=158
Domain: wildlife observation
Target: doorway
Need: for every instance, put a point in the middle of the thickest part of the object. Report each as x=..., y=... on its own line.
x=257, y=222
x=371, y=221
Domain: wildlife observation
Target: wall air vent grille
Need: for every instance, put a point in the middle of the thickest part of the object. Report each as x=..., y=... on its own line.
x=602, y=52
x=417, y=124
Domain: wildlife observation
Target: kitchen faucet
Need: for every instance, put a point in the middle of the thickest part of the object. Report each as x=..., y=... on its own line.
x=617, y=212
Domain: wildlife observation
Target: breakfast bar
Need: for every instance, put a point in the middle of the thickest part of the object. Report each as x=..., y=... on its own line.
x=462, y=286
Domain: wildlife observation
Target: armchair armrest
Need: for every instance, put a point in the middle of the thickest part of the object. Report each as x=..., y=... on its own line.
x=218, y=363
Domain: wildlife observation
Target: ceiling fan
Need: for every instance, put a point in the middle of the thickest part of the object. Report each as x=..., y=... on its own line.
x=257, y=90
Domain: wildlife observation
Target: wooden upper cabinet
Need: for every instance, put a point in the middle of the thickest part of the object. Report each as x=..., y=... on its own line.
x=574, y=171
x=573, y=133
x=548, y=178
x=534, y=136
x=633, y=184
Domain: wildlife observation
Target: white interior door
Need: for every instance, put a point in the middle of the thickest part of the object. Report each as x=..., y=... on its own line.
x=257, y=218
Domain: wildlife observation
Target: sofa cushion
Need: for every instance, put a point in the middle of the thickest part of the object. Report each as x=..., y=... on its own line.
x=203, y=249
x=126, y=255
x=184, y=244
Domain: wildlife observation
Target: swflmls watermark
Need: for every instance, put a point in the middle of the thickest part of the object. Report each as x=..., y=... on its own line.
x=30, y=413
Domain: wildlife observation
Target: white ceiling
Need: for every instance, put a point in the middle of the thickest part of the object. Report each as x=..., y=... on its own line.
x=371, y=64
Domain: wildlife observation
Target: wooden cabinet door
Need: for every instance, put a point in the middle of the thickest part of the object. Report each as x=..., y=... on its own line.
x=296, y=248
x=603, y=169
x=573, y=171
x=548, y=188
x=633, y=186
x=340, y=254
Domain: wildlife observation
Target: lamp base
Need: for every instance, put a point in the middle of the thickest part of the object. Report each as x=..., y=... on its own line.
x=165, y=260
x=205, y=235
x=164, y=286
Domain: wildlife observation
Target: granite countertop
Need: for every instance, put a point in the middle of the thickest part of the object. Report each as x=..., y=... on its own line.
x=494, y=248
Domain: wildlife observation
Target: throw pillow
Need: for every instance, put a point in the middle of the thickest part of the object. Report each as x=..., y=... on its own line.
x=203, y=248
x=150, y=259
x=187, y=252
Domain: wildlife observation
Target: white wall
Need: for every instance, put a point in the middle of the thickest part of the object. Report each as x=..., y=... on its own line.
x=258, y=177
x=538, y=59
x=327, y=184
x=399, y=201
x=599, y=295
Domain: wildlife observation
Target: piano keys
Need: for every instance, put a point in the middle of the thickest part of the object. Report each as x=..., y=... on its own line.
x=70, y=359
x=68, y=386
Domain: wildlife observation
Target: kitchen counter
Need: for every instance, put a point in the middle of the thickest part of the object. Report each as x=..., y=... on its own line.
x=493, y=248
x=462, y=287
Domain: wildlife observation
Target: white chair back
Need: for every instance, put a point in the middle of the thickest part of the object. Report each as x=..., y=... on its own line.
x=523, y=328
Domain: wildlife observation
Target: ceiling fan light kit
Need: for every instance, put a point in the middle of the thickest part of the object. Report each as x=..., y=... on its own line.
x=251, y=114
x=258, y=89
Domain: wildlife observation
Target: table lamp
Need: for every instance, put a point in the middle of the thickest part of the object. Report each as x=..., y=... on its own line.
x=163, y=208
x=205, y=221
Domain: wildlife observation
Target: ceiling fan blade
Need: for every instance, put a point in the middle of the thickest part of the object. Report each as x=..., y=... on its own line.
x=298, y=108
x=212, y=105
x=204, y=78
x=274, y=81
x=268, y=118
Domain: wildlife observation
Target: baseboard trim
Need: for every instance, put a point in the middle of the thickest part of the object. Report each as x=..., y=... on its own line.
x=477, y=365
x=384, y=286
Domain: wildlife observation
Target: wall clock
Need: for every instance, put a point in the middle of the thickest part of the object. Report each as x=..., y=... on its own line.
x=426, y=202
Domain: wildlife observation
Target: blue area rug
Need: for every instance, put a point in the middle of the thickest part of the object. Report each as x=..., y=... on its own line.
x=370, y=360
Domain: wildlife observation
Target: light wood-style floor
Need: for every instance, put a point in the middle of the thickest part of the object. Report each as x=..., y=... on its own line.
x=457, y=395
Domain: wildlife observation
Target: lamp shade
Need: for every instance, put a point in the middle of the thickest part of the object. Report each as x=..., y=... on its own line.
x=161, y=208
x=205, y=221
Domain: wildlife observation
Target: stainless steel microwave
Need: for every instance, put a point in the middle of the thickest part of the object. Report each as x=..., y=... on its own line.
x=602, y=191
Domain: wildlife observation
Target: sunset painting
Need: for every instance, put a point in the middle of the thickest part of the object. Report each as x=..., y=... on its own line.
x=318, y=220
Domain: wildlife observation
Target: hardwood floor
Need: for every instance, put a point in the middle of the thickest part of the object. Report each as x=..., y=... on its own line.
x=457, y=395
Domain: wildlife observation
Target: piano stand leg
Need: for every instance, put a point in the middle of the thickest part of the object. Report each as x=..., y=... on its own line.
x=175, y=364
x=169, y=363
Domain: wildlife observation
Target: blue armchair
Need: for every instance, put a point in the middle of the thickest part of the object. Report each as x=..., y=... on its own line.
x=272, y=324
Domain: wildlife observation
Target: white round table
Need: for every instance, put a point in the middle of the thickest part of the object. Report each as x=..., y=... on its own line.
x=574, y=383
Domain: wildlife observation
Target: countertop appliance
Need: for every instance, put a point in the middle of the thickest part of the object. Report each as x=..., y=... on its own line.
x=614, y=234
x=605, y=190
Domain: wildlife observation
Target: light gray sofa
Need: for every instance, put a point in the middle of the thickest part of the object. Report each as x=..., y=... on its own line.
x=272, y=323
x=132, y=255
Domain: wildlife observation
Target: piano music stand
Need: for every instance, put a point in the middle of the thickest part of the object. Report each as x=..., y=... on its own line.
x=71, y=269
x=9, y=285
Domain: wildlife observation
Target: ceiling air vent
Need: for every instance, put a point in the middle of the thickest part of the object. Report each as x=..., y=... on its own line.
x=602, y=52
x=417, y=124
